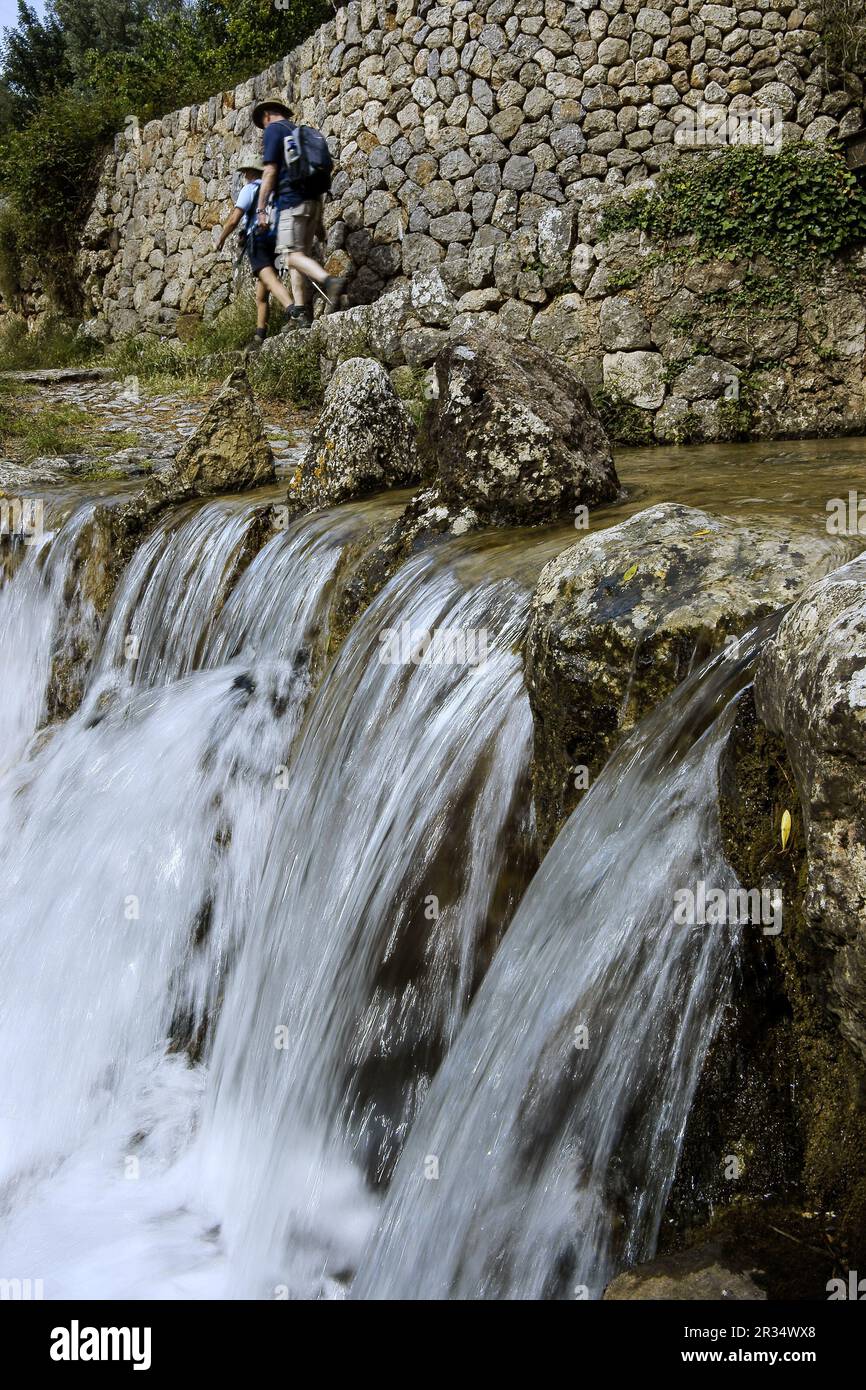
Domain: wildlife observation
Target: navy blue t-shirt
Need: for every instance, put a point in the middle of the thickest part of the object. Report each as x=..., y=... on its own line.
x=273, y=153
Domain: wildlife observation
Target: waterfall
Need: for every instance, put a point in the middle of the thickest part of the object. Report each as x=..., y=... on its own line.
x=170, y=595
x=375, y=917
x=190, y=597
x=192, y=860
x=547, y=1145
x=267, y=1031
x=134, y=837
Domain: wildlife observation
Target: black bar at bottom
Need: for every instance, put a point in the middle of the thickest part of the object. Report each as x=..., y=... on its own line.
x=158, y=1338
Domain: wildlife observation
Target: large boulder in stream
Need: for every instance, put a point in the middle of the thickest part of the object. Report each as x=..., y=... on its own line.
x=514, y=434
x=773, y=1159
x=619, y=619
x=363, y=441
x=810, y=689
x=510, y=438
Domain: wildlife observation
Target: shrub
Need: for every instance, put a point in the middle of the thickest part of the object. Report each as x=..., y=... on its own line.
x=843, y=29
x=625, y=424
x=146, y=355
x=54, y=343
x=292, y=375
x=48, y=170
x=231, y=329
x=11, y=269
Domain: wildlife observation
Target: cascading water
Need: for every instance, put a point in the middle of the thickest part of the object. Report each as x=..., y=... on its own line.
x=32, y=606
x=169, y=596
x=137, y=836
x=554, y=1124
x=248, y=926
x=403, y=789
x=186, y=601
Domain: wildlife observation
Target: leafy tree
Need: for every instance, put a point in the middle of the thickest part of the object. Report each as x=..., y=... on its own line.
x=102, y=26
x=187, y=52
x=34, y=62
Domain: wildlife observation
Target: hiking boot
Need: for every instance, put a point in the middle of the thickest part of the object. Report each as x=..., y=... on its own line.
x=296, y=316
x=256, y=342
x=331, y=291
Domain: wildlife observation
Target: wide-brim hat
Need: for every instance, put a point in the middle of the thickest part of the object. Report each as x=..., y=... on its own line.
x=249, y=159
x=273, y=101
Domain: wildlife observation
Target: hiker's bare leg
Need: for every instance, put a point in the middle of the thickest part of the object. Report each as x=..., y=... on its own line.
x=274, y=285
x=261, y=306
x=297, y=228
x=295, y=236
x=299, y=288
x=301, y=264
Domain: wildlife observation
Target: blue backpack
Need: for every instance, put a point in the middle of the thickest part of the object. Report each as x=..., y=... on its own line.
x=250, y=228
x=309, y=166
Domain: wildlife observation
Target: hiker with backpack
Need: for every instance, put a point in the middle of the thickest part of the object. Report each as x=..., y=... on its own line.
x=297, y=171
x=258, y=243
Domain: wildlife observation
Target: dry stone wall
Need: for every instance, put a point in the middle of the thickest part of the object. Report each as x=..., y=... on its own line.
x=478, y=137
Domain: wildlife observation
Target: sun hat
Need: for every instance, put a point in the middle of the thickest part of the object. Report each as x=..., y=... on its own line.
x=269, y=102
x=249, y=159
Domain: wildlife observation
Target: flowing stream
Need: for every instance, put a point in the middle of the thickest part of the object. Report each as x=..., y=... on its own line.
x=285, y=1009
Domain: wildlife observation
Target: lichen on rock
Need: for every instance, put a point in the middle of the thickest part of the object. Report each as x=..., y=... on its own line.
x=363, y=441
x=515, y=435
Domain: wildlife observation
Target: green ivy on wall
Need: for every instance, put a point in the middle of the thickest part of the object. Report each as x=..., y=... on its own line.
x=798, y=207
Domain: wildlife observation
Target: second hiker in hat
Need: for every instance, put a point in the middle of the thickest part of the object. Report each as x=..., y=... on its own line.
x=297, y=171
x=259, y=243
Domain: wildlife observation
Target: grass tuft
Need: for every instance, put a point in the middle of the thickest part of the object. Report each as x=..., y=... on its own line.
x=50, y=431
x=55, y=343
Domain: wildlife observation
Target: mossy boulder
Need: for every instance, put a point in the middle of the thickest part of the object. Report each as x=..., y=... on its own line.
x=773, y=1161
x=810, y=689
x=619, y=619
x=514, y=433
x=702, y=1273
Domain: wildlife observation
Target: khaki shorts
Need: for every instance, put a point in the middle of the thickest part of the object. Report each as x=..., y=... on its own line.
x=297, y=227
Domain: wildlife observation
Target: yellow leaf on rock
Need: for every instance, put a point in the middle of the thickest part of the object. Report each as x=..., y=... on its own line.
x=786, y=828
x=629, y=574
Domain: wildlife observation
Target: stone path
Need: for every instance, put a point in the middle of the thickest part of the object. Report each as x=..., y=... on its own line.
x=160, y=425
